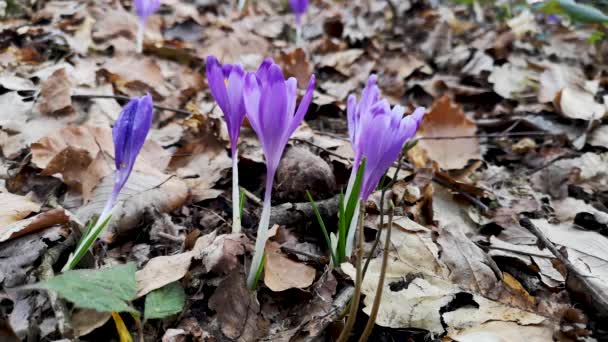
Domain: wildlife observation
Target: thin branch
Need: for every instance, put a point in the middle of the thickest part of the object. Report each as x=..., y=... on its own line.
x=495, y=135
x=380, y=287
x=126, y=98
x=321, y=148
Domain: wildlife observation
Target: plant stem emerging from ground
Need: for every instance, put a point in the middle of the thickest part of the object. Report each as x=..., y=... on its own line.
x=236, y=204
x=374, y=311
x=354, y=305
x=260, y=241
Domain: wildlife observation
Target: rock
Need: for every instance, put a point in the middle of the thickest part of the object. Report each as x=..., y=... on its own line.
x=300, y=171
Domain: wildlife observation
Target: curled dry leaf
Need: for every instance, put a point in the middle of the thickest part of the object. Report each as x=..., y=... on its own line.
x=55, y=95
x=447, y=119
x=15, y=207
x=237, y=309
x=579, y=104
x=282, y=273
x=32, y=224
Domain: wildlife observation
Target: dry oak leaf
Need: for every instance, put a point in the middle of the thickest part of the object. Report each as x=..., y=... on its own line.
x=447, y=119
x=510, y=80
x=237, y=309
x=55, y=94
x=32, y=224
x=282, y=273
x=15, y=207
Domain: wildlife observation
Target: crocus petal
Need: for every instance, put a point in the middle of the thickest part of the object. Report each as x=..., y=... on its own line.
x=378, y=133
x=251, y=97
x=145, y=8
x=303, y=107
x=298, y=7
x=226, y=83
x=216, y=79
x=129, y=134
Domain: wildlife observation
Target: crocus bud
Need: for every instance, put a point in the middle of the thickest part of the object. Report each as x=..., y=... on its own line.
x=144, y=9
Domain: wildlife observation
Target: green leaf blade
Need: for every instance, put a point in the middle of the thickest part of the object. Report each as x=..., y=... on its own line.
x=105, y=290
x=166, y=301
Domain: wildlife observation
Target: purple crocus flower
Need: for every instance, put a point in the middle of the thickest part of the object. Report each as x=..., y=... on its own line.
x=299, y=8
x=270, y=101
x=377, y=133
x=144, y=9
x=226, y=84
x=129, y=134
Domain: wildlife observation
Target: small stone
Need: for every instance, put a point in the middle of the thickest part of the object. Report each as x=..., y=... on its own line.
x=300, y=171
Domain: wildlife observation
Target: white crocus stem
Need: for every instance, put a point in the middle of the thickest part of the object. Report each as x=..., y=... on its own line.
x=351, y=183
x=260, y=241
x=298, y=34
x=140, y=36
x=241, y=4
x=236, y=203
x=350, y=238
x=90, y=238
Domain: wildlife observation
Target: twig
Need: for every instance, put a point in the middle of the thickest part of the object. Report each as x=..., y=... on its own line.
x=380, y=287
x=252, y=197
x=494, y=135
x=321, y=148
x=126, y=98
x=599, y=302
x=354, y=306
x=484, y=208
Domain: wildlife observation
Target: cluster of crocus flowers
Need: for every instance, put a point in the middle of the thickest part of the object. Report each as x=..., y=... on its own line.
x=377, y=133
x=269, y=102
x=144, y=9
x=129, y=134
x=226, y=85
x=298, y=7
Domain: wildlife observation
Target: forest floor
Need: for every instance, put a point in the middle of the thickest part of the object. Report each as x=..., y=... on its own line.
x=500, y=219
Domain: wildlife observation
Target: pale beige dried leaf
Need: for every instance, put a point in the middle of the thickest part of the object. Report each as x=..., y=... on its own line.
x=222, y=256
x=599, y=137
x=578, y=104
x=15, y=207
x=161, y=271
x=523, y=23
x=503, y=331
x=341, y=60
x=445, y=119
x=282, y=273
x=586, y=250
x=511, y=81
x=555, y=78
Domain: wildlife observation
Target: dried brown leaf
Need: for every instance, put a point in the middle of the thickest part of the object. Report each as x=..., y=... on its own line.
x=282, y=273
x=447, y=119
